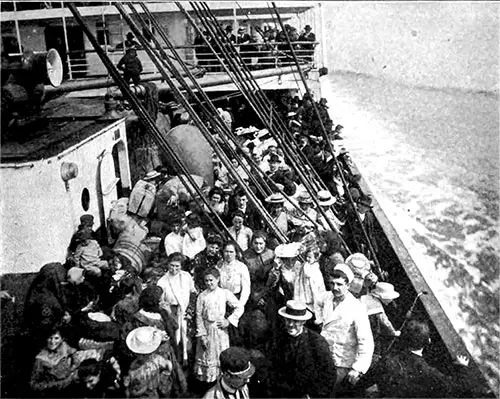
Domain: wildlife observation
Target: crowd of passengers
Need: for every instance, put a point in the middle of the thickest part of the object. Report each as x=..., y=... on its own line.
x=161, y=304
x=265, y=47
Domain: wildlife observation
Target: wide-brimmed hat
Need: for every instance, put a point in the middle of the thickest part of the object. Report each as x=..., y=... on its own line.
x=99, y=317
x=385, y=291
x=275, y=198
x=346, y=270
x=325, y=198
x=153, y=174
x=144, y=340
x=295, y=310
x=304, y=198
x=358, y=263
x=290, y=250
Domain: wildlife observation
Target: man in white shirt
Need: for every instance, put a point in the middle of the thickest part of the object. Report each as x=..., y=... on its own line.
x=346, y=327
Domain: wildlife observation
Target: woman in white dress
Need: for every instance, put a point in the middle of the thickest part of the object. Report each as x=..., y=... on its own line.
x=212, y=326
x=177, y=286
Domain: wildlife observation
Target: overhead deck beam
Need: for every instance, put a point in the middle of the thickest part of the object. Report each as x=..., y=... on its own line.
x=219, y=8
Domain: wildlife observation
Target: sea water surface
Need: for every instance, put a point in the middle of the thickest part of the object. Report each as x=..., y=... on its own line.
x=431, y=158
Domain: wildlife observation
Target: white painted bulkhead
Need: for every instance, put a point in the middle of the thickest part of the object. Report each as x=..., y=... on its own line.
x=40, y=212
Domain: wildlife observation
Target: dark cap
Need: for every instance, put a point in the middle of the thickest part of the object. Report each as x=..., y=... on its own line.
x=365, y=200
x=236, y=361
x=307, y=27
x=87, y=220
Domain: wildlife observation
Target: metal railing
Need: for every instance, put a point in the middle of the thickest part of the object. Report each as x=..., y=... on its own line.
x=257, y=56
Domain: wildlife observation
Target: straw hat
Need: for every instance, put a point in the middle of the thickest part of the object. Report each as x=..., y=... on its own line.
x=359, y=263
x=153, y=174
x=304, y=198
x=384, y=291
x=144, y=340
x=99, y=316
x=275, y=198
x=325, y=198
x=295, y=310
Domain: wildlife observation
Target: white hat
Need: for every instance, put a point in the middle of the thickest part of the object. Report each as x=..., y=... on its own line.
x=304, y=198
x=290, y=250
x=144, y=340
x=153, y=174
x=75, y=274
x=384, y=291
x=325, y=198
x=341, y=267
x=99, y=316
x=295, y=310
x=359, y=264
x=275, y=198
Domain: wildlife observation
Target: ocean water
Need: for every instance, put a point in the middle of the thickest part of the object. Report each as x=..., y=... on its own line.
x=431, y=158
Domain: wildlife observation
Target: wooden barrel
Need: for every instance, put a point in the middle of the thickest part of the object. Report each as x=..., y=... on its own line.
x=193, y=149
x=132, y=252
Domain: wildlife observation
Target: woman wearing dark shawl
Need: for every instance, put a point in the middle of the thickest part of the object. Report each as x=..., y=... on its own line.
x=46, y=304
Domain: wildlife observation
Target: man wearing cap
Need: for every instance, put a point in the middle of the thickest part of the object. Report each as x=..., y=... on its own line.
x=131, y=66
x=236, y=369
x=280, y=175
x=86, y=223
x=302, y=363
x=345, y=327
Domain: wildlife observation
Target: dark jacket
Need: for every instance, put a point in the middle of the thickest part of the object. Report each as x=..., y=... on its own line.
x=302, y=366
x=407, y=375
x=131, y=64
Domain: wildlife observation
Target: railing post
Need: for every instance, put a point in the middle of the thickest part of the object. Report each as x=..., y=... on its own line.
x=66, y=45
x=16, y=22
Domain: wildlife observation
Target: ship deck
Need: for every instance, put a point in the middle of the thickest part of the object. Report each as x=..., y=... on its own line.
x=62, y=124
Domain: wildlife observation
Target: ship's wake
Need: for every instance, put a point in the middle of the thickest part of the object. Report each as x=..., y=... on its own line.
x=445, y=212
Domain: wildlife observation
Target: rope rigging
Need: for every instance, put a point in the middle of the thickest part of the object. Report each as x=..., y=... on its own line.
x=258, y=104
x=325, y=137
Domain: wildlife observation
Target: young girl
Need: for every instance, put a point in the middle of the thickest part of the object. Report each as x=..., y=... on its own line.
x=211, y=326
x=309, y=283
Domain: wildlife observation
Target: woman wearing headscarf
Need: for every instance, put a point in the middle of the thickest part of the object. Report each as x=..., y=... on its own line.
x=260, y=261
x=46, y=304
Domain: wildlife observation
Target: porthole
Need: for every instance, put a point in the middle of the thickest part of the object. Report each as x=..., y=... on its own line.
x=85, y=199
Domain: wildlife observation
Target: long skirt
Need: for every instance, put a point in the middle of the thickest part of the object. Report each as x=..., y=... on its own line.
x=207, y=366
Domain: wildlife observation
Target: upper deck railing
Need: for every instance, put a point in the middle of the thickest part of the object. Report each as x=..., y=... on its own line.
x=257, y=56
